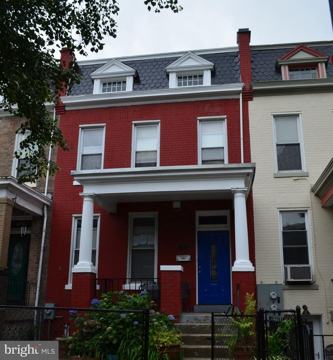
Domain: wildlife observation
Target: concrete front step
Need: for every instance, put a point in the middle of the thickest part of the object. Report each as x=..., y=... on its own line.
x=196, y=339
x=212, y=308
x=196, y=318
x=186, y=328
x=203, y=351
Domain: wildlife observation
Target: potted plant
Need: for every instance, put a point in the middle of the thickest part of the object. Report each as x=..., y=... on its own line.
x=242, y=341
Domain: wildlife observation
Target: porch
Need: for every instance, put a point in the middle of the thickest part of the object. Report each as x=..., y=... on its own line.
x=198, y=215
x=21, y=215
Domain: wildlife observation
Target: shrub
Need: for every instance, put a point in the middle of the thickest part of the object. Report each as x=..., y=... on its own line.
x=100, y=333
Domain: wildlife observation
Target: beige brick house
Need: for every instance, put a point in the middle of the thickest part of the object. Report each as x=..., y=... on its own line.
x=291, y=127
x=23, y=208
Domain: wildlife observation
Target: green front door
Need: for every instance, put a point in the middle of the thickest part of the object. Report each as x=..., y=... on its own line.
x=18, y=257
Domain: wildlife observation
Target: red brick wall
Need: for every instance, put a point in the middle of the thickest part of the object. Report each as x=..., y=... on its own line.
x=176, y=226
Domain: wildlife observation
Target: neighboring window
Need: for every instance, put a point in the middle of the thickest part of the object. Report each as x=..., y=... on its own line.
x=91, y=148
x=190, y=80
x=142, y=247
x=295, y=238
x=76, y=236
x=212, y=141
x=21, y=165
x=288, y=147
x=113, y=86
x=303, y=73
x=146, y=144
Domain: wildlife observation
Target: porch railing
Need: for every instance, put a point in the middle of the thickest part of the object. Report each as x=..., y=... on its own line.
x=150, y=286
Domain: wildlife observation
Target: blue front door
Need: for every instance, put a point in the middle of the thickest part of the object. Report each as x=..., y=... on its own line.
x=213, y=267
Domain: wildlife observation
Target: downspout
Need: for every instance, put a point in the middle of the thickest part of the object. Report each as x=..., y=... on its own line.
x=42, y=245
x=241, y=126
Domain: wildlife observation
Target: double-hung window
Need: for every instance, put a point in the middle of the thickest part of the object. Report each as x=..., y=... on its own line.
x=142, y=246
x=288, y=143
x=212, y=141
x=295, y=243
x=76, y=236
x=190, y=80
x=113, y=86
x=303, y=73
x=21, y=164
x=91, y=148
x=146, y=144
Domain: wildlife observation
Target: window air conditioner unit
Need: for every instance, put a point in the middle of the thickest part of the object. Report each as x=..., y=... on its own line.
x=298, y=273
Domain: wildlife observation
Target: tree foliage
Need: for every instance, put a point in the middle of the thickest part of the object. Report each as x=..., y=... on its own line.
x=31, y=34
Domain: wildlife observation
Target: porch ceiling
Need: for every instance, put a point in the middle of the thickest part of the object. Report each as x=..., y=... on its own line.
x=168, y=183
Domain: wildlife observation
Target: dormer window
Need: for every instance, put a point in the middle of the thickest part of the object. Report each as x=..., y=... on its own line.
x=190, y=70
x=190, y=80
x=303, y=73
x=113, y=86
x=113, y=77
x=303, y=63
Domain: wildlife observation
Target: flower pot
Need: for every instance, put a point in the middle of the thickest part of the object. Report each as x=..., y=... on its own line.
x=173, y=351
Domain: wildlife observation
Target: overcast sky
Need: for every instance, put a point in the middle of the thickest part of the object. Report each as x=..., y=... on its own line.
x=205, y=24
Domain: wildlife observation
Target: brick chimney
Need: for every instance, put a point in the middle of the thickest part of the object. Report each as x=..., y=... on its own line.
x=66, y=59
x=243, y=41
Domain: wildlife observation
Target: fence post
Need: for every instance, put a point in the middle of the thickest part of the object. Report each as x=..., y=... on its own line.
x=146, y=320
x=212, y=339
x=261, y=341
x=300, y=334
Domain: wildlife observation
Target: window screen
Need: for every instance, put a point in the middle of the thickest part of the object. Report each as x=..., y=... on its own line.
x=288, y=148
x=295, y=239
x=91, y=148
x=212, y=142
x=146, y=145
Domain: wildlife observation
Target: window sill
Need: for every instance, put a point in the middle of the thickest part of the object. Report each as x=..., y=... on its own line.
x=301, y=287
x=69, y=287
x=288, y=174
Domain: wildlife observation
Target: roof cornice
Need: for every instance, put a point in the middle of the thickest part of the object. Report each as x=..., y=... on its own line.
x=285, y=85
x=151, y=96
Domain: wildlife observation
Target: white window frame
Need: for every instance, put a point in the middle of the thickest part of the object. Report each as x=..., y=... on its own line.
x=75, y=218
x=131, y=217
x=300, y=140
x=111, y=80
x=222, y=118
x=173, y=78
x=309, y=232
x=79, y=147
x=143, y=123
x=18, y=139
x=191, y=73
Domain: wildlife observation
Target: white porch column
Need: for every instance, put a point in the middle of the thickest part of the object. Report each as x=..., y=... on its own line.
x=85, y=265
x=242, y=261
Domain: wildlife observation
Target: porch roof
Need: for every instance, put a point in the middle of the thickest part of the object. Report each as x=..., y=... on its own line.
x=23, y=196
x=323, y=188
x=167, y=183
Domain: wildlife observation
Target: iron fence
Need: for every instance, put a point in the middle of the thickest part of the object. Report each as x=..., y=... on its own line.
x=30, y=323
x=263, y=336
x=325, y=351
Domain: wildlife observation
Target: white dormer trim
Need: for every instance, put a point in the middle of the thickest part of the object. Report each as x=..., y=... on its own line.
x=189, y=64
x=113, y=70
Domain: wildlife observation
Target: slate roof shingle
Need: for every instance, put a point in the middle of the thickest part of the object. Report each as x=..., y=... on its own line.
x=151, y=74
